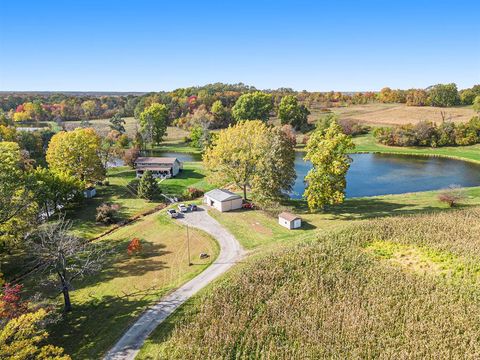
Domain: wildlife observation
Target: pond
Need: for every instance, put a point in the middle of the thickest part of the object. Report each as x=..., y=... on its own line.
x=383, y=174
x=183, y=157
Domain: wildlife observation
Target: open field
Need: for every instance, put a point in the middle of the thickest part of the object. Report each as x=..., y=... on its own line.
x=401, y=287
x=398, y=114
x=105, y=304
x=102, y=126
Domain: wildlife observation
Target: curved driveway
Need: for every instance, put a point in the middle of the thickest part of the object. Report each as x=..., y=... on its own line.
x=230, y=252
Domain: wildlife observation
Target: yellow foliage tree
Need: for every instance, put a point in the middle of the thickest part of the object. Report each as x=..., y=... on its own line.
x=21, y=339
x=77, y=153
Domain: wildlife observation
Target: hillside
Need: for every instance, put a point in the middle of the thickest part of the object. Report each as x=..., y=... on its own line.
x=404, y=287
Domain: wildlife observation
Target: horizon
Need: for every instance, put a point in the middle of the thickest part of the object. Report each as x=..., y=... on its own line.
x=118, y=46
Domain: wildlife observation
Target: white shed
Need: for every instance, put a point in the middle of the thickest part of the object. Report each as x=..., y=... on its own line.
x=289, y=220
x=90, y=192
x=223, y=200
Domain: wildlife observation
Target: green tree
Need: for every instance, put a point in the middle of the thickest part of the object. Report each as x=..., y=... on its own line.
x=17, y=208
x=77, y=153
x=276, y=169
x=476, y=104
x=292, y=113
x=153, y=122
x=148, y=187
x=117, y=123
x=89, y=108
x=221, y=114
x=253, y=106
x=444, y=95
x=328, y=153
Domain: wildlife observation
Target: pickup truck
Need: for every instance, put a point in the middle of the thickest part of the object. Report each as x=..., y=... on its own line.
x=173, y=214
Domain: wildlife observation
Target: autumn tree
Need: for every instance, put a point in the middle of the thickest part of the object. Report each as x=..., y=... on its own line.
x=148, y=187
x=292, y=113
x=153, y=122
x=327, y=150
x=76, y=153
x=23, y=338
x=417, y=97
x=247, y=155
x=221, y=114
x=59, y=254
x=253, y=106
x=89, y=108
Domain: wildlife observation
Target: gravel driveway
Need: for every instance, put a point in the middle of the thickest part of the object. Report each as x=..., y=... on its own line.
x=230, y=252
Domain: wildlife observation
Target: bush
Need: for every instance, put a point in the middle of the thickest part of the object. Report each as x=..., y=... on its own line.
x=192, y=193
x=452, y=196
x=107, y=213
x=352, y=127
x=130, y=156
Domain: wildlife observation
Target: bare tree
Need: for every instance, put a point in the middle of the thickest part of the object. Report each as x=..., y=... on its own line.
x=64, y=256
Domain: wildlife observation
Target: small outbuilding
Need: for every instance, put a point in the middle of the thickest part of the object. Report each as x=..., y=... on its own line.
x=223, y=200
x=290, y=221
x=90, y=192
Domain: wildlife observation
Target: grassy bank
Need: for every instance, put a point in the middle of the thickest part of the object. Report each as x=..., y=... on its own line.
x=104, y=305
x=402, y=287
x=367, y=143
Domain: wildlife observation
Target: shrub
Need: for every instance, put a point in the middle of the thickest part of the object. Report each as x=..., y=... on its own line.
x=352, y=127
x=192, y=193
x=107, y=213
x=134, y=246
x=452, y=196
x=130, y=156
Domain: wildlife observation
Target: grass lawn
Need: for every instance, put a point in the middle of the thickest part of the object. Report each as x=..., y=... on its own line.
x=258, y=230
x=367, y=143
x=105, y=305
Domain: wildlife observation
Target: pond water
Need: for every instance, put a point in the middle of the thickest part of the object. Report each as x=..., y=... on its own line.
x=183, y=157
x=382, y=174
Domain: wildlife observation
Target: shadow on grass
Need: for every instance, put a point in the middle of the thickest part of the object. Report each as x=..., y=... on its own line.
x=367, y=208
x=94, y=326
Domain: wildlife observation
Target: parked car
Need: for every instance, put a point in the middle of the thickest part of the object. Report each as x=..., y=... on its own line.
x=192, y=207
x=173, y=214
x=182, y=208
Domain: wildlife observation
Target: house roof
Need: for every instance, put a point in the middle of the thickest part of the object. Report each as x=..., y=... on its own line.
x=222, y=195
x=156, y=160
x=153, y=168
x=288, y=216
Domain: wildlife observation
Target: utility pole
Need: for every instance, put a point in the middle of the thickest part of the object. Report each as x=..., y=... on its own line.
x=188, y=247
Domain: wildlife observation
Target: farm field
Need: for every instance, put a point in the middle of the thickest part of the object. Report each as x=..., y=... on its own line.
x=398, y=114
x=391, y=279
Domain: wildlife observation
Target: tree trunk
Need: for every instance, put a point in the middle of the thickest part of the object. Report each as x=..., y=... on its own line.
x=66, y=299
x=245, y=192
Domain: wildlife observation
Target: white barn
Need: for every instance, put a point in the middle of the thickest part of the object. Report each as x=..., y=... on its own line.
x=289, y=221
x=161, y=167
x=223, y=200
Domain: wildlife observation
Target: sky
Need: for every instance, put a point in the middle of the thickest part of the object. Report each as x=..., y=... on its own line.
x=147, y=45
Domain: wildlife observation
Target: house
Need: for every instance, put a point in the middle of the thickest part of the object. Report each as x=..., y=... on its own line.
x=223, y=200
x=161, y=167
x=90, y=192
x=289, y=221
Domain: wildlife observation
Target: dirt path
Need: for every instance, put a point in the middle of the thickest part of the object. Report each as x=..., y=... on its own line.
x=230, y=252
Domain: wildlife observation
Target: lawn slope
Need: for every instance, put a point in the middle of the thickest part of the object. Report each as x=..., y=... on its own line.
x=404, y=287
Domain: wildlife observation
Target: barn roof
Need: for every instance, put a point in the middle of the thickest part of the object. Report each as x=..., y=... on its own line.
x=222, y=195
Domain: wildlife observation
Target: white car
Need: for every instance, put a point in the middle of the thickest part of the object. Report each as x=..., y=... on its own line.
x=182, y=208
x=173, y=214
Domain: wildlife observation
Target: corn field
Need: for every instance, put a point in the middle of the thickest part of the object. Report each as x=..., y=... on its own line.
x=332, y=298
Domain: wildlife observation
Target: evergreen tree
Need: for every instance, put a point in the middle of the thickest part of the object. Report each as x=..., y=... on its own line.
x=117, y=122
x=148, y=187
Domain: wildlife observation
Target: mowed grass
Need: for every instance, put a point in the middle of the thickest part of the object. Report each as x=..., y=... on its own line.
x=333, y=297
x=83, y=217
x=367, y=143
x=106, y=304
x=257, y=229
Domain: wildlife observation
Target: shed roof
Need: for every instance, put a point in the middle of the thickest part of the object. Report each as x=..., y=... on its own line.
x=222, y=195
x=288, y=216
x=155, y=160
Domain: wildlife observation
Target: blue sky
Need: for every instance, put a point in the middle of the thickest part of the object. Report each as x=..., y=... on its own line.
x=146, y=45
